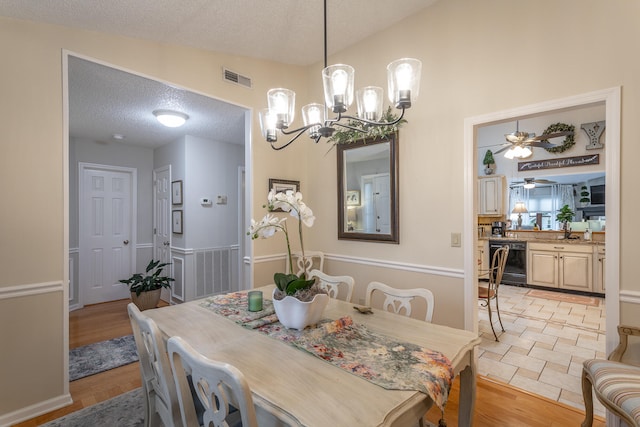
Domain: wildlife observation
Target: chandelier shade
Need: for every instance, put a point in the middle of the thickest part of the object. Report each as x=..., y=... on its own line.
x=369, y=101
x=403, y=76
x=403, y=81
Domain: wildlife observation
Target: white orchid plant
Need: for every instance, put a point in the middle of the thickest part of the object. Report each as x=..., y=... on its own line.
x=270, y=224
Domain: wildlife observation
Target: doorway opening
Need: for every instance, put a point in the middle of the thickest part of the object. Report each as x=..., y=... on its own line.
x=611, y=100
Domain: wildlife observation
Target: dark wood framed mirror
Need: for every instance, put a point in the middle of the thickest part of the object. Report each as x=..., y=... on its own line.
x=368, y=207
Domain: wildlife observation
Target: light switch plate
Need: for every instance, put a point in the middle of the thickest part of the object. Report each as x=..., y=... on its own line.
x=456, y=240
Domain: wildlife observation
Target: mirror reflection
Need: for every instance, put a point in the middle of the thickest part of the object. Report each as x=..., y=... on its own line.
x=367, y=199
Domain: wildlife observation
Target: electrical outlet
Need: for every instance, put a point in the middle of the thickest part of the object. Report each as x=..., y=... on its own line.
x=456, y=240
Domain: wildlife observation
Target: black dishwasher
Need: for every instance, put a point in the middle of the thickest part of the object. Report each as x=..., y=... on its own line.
x=515, y=272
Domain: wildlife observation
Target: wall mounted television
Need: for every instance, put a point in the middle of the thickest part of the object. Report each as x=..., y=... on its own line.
x=597, y=194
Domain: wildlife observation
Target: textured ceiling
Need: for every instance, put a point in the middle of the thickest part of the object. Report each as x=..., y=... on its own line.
x=288, y=31
x=104, y=101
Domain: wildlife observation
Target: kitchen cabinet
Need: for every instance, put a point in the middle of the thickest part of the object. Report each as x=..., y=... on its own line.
x=482, y=256
x=599, y=269
x=491, y=196
x=567, y=266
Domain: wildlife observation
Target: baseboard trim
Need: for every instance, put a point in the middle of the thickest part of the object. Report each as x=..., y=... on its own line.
x=30, y=289
x=34, y=410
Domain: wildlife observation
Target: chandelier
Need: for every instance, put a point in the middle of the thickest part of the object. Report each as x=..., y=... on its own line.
x=403, y=80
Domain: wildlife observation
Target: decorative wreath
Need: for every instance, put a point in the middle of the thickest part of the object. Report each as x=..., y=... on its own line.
x=568, y=142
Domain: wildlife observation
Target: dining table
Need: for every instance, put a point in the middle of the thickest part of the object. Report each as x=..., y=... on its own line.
x=292, y=387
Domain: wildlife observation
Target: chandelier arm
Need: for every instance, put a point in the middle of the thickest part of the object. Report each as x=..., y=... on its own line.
x=370, y=122
x=301, y=131
x=291, y=132
x=351, y=127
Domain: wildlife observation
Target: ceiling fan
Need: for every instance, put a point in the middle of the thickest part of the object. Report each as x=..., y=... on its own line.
x=528, y=139
x=531, y=182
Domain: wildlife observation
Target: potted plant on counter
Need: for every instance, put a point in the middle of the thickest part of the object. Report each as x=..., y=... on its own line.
x=145, y=288
x=298, y=302
x=565, y=216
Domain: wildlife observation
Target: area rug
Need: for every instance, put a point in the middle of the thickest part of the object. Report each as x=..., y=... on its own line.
x=126, y=410
x=101, y=356
x=564, y=297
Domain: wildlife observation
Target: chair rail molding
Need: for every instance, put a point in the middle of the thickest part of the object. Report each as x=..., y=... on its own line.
x=18, y=291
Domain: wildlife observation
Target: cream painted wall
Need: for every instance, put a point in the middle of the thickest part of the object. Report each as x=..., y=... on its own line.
x=33, y=244
x=473, y=63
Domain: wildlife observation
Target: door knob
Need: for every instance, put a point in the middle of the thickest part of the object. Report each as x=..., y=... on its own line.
x=126, y=242
x=166, y=243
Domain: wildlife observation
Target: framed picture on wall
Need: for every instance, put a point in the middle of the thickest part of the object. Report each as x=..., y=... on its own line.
x=282, y=186
x=353, y=197
x=176, y=222
x=176, y=193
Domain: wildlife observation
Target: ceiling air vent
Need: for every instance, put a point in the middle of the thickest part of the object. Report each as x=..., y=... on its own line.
x=235, y=78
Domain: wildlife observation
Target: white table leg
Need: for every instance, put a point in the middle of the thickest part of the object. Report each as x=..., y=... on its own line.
x=467, y=392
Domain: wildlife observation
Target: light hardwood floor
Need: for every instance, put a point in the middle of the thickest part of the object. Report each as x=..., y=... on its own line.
x=497, y=404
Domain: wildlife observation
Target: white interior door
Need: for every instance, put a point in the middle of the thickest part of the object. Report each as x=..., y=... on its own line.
x=162, y=220
x=106, y=218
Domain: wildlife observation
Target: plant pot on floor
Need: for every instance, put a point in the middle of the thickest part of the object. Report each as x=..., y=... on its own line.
x=295, y=314
x=146, y=300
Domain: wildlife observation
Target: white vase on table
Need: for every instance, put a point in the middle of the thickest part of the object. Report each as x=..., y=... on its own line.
x=296, y=314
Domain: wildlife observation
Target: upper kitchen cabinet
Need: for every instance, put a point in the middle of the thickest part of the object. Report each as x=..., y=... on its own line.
x=491, y=199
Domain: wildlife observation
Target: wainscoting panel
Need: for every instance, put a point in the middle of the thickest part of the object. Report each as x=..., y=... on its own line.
x=177, y=290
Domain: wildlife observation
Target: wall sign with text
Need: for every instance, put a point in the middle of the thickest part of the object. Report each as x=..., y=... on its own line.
x=564, y=162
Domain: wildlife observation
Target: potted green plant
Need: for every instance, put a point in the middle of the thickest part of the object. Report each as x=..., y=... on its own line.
x=489, y=163
x=584, y=196
x=298, y=302
x=145, y=288
x=565, y=216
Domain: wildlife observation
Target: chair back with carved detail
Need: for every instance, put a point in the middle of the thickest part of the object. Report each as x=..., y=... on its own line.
x=313, y=260
x=340, y=287
x=161, y=400
x=400, y=301
x=219, y=387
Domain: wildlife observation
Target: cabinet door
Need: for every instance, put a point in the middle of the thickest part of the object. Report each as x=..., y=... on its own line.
x=490, y=192
x=482, y=251
x=575, y=271
x=543, y=268
x=599, y=271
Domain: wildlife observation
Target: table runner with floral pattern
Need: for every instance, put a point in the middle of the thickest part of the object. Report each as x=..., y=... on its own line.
x=378, y=358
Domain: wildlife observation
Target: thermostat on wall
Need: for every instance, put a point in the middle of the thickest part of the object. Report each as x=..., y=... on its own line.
x=205, y=201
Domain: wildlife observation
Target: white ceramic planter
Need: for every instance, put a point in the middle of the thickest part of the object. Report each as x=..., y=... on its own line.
x=295, y=314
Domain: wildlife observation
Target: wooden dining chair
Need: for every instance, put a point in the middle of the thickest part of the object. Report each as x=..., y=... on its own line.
x=332, y=284
x=161, y=400
x=615, y=384
x=488, y=291
x=312, y=260
x=221, y=388
x=397, y=300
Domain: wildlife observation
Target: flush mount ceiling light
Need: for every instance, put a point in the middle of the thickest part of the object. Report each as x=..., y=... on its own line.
x=403, y=79
x=169, y=118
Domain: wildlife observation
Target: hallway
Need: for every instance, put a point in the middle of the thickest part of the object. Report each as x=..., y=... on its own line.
x=544, y=343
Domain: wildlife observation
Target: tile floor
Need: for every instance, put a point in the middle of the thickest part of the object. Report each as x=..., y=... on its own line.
x=543, y=346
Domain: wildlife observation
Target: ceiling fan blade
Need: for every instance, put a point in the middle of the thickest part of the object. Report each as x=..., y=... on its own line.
x=503, y=149
x=543, y=181
x=542, y=144
x=551, y=135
